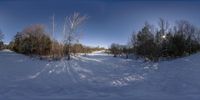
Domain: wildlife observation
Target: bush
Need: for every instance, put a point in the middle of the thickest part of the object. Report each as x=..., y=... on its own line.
x=32, y=40
x=115, y=49
x=180, y=42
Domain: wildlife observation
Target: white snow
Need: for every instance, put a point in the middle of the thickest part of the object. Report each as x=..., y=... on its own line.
x=98, y=76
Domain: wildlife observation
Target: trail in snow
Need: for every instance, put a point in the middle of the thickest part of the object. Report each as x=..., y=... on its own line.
x=98, y=76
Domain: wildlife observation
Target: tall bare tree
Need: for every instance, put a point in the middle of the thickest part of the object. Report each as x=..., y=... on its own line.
x=1, y=40
x=52, y=51
x=163, y=28
x=71, y=30
x=164, y=25
x=198, y=35
x=1, y=35
x=133, y=39
x=132, y=43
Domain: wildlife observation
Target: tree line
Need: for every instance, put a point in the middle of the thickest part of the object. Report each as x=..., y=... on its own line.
x=150, y=42
x=34, y=40
x=165, y=41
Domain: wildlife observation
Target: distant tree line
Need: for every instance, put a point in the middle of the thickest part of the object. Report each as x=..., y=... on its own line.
x=163, y=42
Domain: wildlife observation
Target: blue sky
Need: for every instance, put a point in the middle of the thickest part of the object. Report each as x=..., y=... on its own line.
x=108, y=20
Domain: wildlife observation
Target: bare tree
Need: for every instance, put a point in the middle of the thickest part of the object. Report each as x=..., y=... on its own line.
x=53, y=50
x=164, y=25
x=71, y=30
x=114, y=49
x=1, y=35
x=161, y=34
x=198, y=35
x=133, y=39
x=132, y=43
x=186, y=28
x=1, y=40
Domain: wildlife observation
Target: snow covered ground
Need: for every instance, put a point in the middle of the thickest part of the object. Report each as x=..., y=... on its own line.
x=98, y=76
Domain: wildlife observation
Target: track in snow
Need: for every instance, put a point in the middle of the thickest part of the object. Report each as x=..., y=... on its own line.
x=97, y=76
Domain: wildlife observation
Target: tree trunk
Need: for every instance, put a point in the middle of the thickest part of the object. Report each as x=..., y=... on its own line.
x=68, y=57
x=126, y=56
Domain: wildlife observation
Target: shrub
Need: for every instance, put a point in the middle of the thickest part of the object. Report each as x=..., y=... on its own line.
x=153, y=45
x=32, y=40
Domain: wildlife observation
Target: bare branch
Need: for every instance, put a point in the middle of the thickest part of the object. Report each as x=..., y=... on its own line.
x=71, y=30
